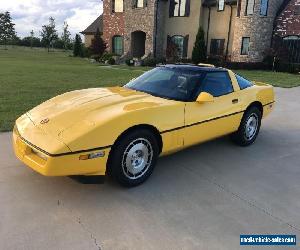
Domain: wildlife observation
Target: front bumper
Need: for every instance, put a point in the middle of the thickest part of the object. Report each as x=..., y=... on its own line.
x=268, y=108
x=63, y=165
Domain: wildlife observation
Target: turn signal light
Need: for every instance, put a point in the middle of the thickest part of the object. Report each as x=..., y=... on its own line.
x=92, y=156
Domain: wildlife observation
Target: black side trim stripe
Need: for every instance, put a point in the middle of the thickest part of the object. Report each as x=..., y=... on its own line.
x=268, y=103
x=63, y=154
x=106, y=147
x=198, y=123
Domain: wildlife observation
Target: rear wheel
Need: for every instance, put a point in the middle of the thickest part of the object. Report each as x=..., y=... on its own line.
x=249, y=127
x=133, y=158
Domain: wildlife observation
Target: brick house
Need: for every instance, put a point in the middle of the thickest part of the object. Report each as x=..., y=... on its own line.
x=91, y=30
x=287, y=29
x=239, y=30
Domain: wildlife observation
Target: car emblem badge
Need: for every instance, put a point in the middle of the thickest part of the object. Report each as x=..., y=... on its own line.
x=45, y=121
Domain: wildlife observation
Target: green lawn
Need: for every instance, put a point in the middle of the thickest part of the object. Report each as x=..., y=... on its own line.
x=277, y=79
x=31, y=76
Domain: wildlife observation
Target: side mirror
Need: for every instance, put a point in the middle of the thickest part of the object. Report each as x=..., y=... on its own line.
x=205, y=97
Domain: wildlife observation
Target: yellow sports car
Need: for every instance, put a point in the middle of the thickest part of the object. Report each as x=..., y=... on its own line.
x=123, y=130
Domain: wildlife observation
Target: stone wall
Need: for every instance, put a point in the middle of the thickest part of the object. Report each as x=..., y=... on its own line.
x=139, y=19
x=113, y=23
x=219, y=26
x=287, y=22
x=88, y=40
x=161, y=35
x=258, y=28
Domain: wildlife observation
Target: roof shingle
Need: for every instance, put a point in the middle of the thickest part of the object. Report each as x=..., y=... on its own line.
x=91, y=30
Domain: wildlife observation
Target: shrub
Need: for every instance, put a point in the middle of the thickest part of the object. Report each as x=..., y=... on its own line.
x=111, y=61
x=98, y=46
x=247, y=65
x=77, y=50
x=149, y=62
x=106, y=56
x=129, y=61
x=288, y=67
x=86, y=52
x=199, y=50
x=96, y=57
x=218, y=61
x=186, y=60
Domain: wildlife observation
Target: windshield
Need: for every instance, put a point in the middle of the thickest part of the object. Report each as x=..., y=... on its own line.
x=170, y=83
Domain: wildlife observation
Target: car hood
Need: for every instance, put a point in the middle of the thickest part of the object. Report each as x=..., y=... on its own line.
x=61, y=112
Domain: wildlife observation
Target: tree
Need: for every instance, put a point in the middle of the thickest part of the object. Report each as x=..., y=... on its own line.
x=7, y=29
x=31, y=38
x=29, y=41
x=66, y=36
x=77, y=51
x=199, y=50
x=98, y=45
x=49, y=33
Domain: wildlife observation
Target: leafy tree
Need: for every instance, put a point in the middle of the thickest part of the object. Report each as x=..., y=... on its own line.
x=199, y=50
x=78, y=50
x=7, y=29
x=98, y=45
x=49, y=33
x=66, y=36
x=59, y=44
x=31, y=38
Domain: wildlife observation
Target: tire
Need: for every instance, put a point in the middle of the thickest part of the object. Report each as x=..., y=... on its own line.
x=134, y=157
x=249, y=127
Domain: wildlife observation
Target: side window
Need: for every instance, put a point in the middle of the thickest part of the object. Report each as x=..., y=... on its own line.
x=217, y=84
x=117, y=45
x=243, y=83
x=221, y=5
x=139, y=3
x=117, y=6
x=245, y=46
x=264, y=7
x=249, y=7
x=217, y=46
x=179, y=8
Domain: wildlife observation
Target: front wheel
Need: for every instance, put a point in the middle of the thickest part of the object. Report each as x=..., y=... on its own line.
x=249, y=127
x=134, y=157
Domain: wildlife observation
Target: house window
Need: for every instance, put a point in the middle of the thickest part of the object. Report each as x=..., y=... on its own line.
x=217, y=46
x=117, y=45
x=179, y=8
x=264, y=7
x=221, y=5
x=179, y=42
x=250, y=7
x=139, y=3
x=117, y=5
x=245, y=46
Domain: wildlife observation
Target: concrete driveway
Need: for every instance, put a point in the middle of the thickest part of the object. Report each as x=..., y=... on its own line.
x=201, y=198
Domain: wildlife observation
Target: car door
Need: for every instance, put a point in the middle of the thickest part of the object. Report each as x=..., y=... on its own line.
x=205, y=121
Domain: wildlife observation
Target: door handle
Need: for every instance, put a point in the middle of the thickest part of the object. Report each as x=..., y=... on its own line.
x=234, y=101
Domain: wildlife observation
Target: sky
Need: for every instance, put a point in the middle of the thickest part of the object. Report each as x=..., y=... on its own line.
x=32, y=14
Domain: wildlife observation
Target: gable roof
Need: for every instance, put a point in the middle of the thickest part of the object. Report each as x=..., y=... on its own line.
x=91, y=30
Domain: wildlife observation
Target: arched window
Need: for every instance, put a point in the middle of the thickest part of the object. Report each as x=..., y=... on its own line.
x=179, y=41
x=117, y=5
x=117, y=45
x=292, y=45
x=289, y=38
